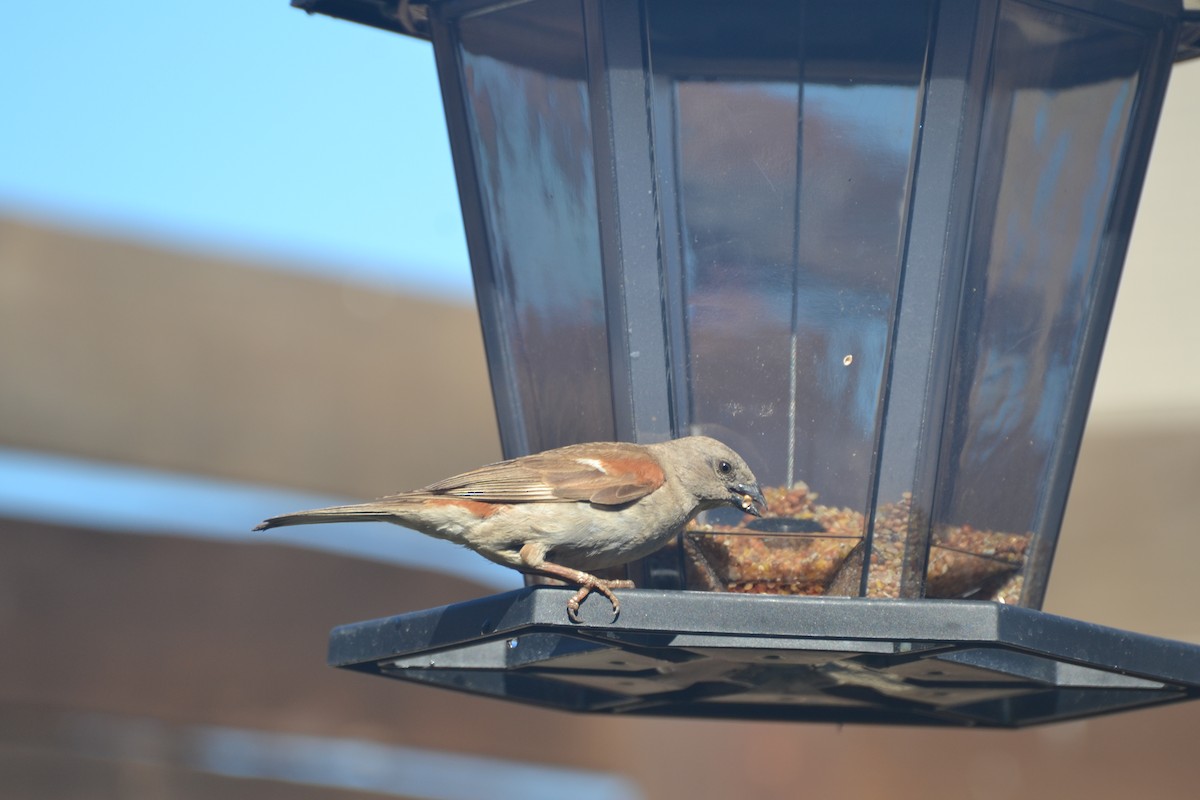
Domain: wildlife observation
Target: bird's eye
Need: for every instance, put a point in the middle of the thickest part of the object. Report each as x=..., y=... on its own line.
x=724, y=467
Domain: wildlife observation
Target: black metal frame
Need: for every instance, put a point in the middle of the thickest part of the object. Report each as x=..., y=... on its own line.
x=1110, y=261
x=702, y=654
x=493, y=312
x=399, y=16
x=936, y=235
x=634, y=290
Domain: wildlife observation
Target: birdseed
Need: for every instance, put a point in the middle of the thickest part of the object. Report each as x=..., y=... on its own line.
x=801, y=547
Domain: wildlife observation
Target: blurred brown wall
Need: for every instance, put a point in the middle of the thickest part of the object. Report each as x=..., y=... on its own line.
x=126, y=352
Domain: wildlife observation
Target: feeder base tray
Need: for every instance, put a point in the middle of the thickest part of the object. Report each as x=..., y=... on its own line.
x=734, y=656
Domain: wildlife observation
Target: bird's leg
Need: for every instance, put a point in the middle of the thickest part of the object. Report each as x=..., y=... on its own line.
x=586, y=583
x=536, y=563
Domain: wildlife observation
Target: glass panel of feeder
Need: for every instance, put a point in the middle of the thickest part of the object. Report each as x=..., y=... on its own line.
x=1062, y=92
x=525, y=84
x=783, y=208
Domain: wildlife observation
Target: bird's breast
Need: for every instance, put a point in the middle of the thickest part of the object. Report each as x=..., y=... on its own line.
x=588, y=537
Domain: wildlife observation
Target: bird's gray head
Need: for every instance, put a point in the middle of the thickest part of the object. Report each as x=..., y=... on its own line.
x=714, y=473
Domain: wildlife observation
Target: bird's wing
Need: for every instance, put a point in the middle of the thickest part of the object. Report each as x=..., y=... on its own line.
x=607, y=473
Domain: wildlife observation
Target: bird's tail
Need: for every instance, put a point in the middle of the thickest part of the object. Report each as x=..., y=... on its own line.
x=363, y=512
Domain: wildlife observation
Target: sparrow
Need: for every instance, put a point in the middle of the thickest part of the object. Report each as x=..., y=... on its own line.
x=565, y=512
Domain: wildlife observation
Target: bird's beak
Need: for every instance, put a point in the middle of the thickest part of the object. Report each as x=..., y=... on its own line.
x=749, y=499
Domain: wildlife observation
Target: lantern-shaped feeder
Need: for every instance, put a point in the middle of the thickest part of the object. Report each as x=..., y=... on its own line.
x=874, y=247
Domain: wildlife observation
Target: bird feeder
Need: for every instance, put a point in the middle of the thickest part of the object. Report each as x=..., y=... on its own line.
x=874, y=247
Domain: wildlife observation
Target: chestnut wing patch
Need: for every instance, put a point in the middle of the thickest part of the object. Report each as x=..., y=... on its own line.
x=607, y=473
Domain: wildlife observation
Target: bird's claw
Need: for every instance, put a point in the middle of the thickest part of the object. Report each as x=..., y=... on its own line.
x=604, y=587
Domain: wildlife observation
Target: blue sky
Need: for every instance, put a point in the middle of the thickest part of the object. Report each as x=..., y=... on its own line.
x=239, y=126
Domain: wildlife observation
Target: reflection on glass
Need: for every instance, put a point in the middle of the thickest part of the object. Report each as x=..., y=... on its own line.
x=784, y=160
x=1057, y=113
x=783, y=215
x=531, y=130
